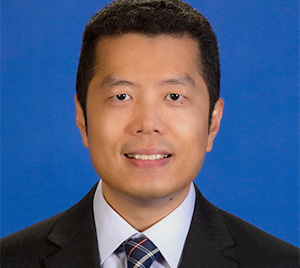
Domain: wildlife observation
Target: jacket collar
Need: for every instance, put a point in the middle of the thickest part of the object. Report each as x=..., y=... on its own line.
x=75, y=236
x=209, y=243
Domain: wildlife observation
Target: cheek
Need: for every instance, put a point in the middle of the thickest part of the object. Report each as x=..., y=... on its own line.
x=103, y=146
x=103, y=133
x=192, y=128
x=192, y=136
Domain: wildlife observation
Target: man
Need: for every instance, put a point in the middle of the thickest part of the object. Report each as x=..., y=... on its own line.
x=148, y=109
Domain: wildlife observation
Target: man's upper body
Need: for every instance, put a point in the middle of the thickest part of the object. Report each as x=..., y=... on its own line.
x=215, y=239
x=148, y=110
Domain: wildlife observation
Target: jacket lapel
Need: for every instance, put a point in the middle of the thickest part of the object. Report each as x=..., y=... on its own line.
x=209, y=243
x=75, y=236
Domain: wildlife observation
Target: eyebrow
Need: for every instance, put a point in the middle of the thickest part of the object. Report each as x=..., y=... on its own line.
x=184, y=80
x=112, y=81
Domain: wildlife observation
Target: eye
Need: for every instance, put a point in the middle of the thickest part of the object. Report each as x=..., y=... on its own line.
x=121, y=97
x=174, y=97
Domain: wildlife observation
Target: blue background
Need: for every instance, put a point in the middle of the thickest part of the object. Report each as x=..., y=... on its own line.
x=253, y=170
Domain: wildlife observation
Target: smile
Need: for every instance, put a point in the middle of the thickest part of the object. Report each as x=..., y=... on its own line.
x=147, y=157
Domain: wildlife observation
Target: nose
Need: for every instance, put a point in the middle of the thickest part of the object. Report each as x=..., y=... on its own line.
x=148, y=119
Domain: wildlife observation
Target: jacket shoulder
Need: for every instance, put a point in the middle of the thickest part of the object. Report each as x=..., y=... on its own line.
x=258, y=247
x=26, y=247
x=32, y=245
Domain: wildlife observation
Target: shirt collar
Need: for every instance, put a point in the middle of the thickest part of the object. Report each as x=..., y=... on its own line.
x=112, y=230
x=169, y=234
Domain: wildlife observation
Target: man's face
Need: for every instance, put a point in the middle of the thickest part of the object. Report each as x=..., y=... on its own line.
x=147, y=116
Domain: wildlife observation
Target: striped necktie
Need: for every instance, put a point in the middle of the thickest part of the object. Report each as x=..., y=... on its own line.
x=141, y=252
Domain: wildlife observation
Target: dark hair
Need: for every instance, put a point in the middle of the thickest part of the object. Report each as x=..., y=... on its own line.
x=151, y=18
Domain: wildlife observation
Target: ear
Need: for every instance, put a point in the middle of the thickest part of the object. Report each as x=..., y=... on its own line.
x=215, y=123
x=80, y=121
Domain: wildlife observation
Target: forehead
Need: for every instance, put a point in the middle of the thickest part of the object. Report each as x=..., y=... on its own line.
x=148, y=54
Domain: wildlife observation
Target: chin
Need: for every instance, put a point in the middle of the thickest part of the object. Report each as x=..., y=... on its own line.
x=154, y=193
x=149, y=196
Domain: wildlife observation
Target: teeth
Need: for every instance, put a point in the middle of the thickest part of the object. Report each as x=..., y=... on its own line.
x=147, y=157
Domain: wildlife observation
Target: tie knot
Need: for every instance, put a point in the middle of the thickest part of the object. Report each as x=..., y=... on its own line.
x=141, y=252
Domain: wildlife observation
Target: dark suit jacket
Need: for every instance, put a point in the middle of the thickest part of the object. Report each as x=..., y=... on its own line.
x=216, y=239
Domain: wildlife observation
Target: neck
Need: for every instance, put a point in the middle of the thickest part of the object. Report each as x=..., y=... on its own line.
x=141, y=213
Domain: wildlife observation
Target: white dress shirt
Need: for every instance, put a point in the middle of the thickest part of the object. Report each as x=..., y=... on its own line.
x=168, y=235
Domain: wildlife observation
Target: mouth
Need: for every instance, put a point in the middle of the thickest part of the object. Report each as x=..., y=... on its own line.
x=148, y=157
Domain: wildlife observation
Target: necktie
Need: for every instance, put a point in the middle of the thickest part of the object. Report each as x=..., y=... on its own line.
x=141, y=252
